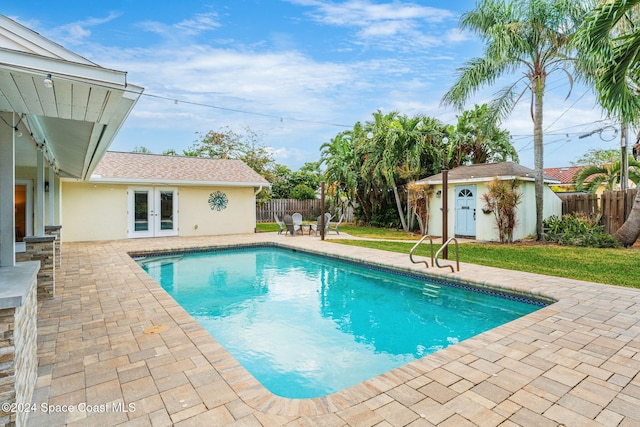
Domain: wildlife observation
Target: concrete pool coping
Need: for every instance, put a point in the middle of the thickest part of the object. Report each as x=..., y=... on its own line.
x=575, y=362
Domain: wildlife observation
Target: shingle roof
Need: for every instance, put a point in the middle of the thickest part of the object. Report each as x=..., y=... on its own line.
x=154, y=168
x=485, y=172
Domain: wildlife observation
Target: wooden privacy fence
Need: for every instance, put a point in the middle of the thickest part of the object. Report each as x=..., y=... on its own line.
x=613, y=206
x=310, y=209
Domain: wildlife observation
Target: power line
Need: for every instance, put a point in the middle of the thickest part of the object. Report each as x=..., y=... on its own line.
x=565, y=111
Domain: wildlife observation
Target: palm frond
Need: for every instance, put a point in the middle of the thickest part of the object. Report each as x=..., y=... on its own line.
x=473, y=75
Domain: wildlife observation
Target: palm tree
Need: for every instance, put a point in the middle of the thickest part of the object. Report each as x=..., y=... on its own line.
x=610, y=52
x=338, y=156
x=383, y=149
x=400, y=150
x=609, y=43
x=531, y=36
x=591, y=177
x=477, y=138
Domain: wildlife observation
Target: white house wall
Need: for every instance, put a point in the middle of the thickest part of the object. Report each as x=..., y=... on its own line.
x=100, y=211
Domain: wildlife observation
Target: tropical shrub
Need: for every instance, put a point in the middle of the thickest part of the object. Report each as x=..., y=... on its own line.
x=578, y=230
x=502, y=198
x=419, y=198
x=302, y=192
x=387, y=218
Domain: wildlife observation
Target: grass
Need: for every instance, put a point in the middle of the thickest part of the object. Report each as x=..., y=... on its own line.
x=620, y=267
x=364, y=232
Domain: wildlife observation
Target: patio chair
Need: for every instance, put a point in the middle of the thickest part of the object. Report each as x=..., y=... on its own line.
x=281, y=226
x=288, y=223
x=297, y=221
x=316, y=226
x=334, y=225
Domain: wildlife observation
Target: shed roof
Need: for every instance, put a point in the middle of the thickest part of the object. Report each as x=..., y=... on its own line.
x=137, y=168
x=486, y=172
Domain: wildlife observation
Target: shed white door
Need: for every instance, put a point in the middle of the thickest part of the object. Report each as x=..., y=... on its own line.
x=465, y=211
x=153, y=212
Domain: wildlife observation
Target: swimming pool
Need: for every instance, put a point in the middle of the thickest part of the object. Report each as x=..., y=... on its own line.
x=307, y=326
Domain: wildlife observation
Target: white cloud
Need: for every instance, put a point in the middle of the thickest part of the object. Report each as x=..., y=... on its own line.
x=189, y=27
x=362, y=12
x=79, y=31
x=455, y=35
x=393, y=26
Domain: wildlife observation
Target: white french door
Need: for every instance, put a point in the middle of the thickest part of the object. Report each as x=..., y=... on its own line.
x=153, y=211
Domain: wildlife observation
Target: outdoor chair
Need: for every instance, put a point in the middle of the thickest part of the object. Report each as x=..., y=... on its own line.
x=316, y=226
x=297, y=221
x=288, y=223
x=334, y=225
x=281, y=226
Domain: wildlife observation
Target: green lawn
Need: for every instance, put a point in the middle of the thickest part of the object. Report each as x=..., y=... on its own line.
x=611, y=266
x=619, y=267
x=365, y=232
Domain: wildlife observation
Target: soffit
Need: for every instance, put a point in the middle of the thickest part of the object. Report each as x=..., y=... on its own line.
x=76, y=119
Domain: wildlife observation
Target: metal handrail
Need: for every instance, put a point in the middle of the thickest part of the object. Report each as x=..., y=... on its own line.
x=444, y=245
x=418, y=244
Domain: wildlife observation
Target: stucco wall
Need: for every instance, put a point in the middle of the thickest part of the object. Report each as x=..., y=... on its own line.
x=485, y=223
x=99, y=211
x=196, y=218
x=93, y=212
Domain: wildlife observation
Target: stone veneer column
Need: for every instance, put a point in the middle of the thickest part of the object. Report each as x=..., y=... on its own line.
x=54, y=230
x=42, y=248
x=18, y=341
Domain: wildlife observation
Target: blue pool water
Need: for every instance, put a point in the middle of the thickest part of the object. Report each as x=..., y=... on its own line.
x=307, y=326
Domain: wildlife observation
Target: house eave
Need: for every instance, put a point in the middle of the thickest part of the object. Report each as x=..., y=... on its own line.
x=485, y=179
x=176, y=183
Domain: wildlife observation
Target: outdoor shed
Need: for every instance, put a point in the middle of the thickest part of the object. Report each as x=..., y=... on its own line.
x=131, y=195
x=467, y=184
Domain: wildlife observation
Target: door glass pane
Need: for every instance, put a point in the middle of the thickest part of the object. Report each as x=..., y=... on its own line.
x=141, y=207
x=166, y=210
x=21, y=211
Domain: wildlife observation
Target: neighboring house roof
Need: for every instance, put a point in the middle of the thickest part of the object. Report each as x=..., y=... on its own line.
x=137, y=168
x=486, y=172
x=566, y=174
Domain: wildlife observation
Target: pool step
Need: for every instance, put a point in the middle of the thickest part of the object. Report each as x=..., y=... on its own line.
x=430, y=290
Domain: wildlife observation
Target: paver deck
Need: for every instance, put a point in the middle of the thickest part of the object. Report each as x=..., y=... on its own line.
x=575, y=362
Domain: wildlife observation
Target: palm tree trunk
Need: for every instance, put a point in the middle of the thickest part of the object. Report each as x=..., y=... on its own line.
x=399, y=206
x=630, y=230
x=409, y=215
x=538, y=153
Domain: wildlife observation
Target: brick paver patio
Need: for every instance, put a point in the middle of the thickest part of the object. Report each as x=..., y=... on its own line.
x=574, y=363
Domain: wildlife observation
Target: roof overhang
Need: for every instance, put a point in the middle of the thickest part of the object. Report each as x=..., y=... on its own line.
x=74, y=121
x=177, y=183
x=485, y=179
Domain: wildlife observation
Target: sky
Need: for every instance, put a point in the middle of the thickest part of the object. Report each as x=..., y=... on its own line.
x=297, y=72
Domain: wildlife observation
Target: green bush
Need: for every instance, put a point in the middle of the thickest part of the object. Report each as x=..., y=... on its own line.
x=302, y=192
x=577, y=230
x=386, y=219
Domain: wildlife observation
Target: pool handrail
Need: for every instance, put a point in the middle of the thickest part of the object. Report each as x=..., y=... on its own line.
x=444, y=245
x=418, y=244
